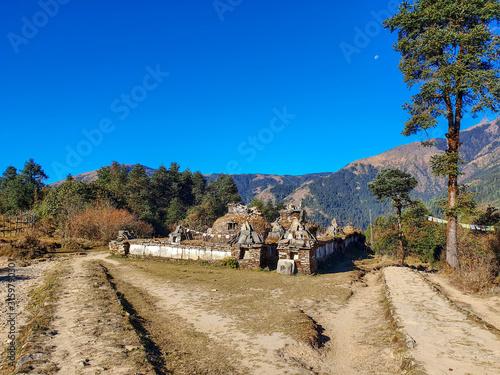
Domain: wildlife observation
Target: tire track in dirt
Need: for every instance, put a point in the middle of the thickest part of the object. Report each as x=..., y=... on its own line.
x=445, y=340
x=258, y=353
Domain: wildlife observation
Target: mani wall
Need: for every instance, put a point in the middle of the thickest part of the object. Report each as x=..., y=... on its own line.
x=243, y=234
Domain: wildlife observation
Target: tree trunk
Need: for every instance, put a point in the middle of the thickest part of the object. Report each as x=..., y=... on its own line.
x=453, y=137
x=401, y=254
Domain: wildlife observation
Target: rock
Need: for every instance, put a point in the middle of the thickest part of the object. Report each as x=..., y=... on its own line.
x=286, y=267
x=29, y=358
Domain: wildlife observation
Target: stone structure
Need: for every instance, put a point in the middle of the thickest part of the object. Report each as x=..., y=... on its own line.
x=277, y=233
x=290, y=213
x=248, y=248
x=334, y=229
x=299, y=245
x=244, y=234
x=180, y=234
x=230, y=224
x=121, y=245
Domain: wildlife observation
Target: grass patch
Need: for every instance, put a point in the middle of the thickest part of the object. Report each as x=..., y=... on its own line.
x=259, y=302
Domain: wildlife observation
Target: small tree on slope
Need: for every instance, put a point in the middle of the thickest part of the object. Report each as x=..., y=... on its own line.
x=396, y=185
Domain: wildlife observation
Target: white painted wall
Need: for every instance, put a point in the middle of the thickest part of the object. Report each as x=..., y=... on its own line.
x=173, y=252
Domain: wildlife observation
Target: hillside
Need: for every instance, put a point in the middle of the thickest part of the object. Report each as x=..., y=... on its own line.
x=92, y=175
x=344, y=194
x=272, y=187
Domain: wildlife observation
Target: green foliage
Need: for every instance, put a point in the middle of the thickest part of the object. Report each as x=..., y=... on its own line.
x=163, y=200
x=176, y=212
x=393, y=184
x=270, y=211
x=423, y=238
x=223, y=191
x=385, y=236
x=490, y=216
x=465, y=204
x=19, y=192
x=229, y=262
x=447, y=164
x=450, y=54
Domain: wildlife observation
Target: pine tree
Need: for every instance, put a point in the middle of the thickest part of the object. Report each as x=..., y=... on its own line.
x=450, y=55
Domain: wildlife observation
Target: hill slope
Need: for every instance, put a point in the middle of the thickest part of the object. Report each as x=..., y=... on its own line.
x=344, y=195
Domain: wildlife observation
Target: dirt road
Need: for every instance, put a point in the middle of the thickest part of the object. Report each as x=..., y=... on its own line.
x=445, y=340
x=162, y=324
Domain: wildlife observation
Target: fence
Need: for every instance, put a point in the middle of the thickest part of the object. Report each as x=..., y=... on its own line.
x=16, y=224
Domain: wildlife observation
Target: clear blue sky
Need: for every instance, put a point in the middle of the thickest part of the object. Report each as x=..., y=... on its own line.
x=198, y=82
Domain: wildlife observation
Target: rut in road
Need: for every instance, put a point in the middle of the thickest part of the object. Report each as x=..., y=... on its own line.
x=359, y=336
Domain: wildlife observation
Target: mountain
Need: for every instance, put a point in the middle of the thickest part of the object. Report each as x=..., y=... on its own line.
x=344, y=194
x=268, y=186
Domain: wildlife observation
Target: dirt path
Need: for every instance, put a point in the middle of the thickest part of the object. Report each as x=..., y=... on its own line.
x=485, y=307
x=91, y=334
x=90, y=339
x=258, y=354
x=359, y=331
x=358, y=335
x=445, y=341
x=24, y=279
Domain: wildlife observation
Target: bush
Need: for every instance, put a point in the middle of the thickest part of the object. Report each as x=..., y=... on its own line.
x=28, y=247
x=229, y=262
x=102, y=222
x=479, y=256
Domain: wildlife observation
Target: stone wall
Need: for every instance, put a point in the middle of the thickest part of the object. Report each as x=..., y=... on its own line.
x=305, y=259
x=180, y=251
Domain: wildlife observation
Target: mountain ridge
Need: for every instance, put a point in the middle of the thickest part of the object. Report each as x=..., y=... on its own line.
x=344, y=194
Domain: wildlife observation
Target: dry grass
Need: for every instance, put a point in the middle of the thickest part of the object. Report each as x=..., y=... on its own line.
x=40, y=315
x=172, y=345
x=25, y=247
x=259, y=302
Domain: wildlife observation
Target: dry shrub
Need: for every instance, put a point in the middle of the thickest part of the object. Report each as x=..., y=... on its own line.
x=46, y=227
x=101, y=222
x=479, y=255
x=27, y=247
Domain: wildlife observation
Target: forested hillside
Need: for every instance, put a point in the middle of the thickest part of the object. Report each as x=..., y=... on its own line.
x=344, y=194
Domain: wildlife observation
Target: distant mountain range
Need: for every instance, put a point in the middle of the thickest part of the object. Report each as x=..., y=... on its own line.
x=344, y=194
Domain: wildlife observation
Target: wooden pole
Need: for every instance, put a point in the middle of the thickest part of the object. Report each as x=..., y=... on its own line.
x=10, y=226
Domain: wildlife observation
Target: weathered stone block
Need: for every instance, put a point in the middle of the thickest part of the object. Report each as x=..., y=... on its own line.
x=286, y=267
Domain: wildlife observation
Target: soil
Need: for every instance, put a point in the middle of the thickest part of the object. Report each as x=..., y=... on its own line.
x=116, y=316
x=444, y=339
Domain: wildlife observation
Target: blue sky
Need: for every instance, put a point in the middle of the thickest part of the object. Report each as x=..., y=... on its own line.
x=234, y=86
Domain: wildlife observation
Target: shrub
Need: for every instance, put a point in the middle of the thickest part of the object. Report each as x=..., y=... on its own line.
x=102, y=222
x=28, y=247
x=479, y=256
x=229, y=262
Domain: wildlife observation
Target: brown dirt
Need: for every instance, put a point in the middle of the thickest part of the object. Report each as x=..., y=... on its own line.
x=486, y=307
x=194, y=319
x=445, y=340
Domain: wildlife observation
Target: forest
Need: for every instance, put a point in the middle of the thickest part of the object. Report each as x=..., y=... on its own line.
x=120, y=198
